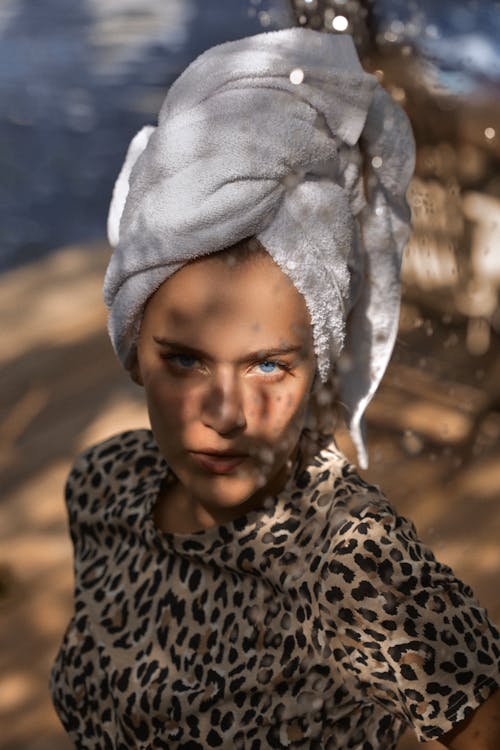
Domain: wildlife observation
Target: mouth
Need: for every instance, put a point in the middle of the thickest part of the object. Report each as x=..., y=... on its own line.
x=218, y=463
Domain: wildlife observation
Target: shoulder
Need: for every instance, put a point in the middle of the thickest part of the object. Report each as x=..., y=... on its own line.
x=112, y=456
x=348, y=500
x=380, y=552
x=408, y=631
x=364, y=529
x=351, y=512
x=363, y=514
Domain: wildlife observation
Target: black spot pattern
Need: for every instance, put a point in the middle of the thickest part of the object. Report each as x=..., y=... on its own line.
x=321, y=622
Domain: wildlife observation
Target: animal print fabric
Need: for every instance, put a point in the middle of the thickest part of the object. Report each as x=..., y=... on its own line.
x=319, y=621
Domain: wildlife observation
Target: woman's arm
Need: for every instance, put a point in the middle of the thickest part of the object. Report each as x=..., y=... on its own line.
x=479, y=731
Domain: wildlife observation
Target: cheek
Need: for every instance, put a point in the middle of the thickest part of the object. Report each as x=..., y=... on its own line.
x=282, y=409
x=169, y=407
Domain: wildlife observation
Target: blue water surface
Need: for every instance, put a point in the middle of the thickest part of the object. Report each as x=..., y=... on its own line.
x=78, y=78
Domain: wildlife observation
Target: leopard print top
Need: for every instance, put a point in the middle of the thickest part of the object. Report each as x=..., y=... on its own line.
x=319, y=621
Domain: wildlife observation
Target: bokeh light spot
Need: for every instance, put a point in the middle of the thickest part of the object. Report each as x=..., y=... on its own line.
x=340, y=23
x=264, y=18
x=398, y=94
x=297, y=76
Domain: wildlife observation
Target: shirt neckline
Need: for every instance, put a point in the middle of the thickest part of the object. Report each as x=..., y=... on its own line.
x=246, y=525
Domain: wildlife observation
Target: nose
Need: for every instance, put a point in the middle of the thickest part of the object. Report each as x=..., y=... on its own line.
x=223, y=409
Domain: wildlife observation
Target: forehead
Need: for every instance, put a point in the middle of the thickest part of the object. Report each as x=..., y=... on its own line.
x=251, y=299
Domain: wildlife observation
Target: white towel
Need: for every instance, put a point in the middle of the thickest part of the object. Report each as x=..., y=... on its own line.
x=282, y=136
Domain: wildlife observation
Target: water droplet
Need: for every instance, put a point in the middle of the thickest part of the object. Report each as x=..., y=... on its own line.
x=478, y=336
x=264, y=18
x=230, y=259
x=398, y=94
x=397, y=26
x=274, y=607
x=286, y=621
x=451, y=341
x=324, y=396
x=317, y=703
x=390, y=36
x=412, y=443
x=344, y=363
x=80, y=110
x=266, y=455
x=268, y=503
x=260, y=481
x=297, y=76
x=340, y=23
x=489, y=133
x=428, y=328
x=432, y=31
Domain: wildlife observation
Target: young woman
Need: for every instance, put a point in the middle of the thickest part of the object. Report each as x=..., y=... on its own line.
x=238, y=585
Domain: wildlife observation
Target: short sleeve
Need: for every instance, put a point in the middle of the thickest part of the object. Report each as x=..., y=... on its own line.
x=408, y=633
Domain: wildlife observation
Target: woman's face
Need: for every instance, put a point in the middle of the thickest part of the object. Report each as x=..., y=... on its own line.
x=226, y=358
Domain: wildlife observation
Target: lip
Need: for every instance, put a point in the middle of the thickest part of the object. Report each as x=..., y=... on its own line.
x=218, y=463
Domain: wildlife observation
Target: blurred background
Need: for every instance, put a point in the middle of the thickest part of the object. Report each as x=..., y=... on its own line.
x=77, y=80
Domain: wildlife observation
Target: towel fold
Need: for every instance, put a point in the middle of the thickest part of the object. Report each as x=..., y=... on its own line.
x=316, y=169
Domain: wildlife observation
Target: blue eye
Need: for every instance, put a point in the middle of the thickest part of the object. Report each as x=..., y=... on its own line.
x=266, y=364
x=185, y=360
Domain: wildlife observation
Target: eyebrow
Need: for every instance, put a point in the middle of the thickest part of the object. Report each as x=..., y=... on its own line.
x=258, y=354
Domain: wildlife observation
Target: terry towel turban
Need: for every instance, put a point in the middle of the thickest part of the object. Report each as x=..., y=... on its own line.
x=284, y=137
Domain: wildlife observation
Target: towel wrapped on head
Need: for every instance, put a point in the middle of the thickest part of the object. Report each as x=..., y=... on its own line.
x=284, y=137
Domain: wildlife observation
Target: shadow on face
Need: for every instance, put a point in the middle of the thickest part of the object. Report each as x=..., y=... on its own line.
x=226, y=358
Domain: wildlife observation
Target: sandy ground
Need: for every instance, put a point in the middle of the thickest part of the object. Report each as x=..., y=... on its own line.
x=433, y=428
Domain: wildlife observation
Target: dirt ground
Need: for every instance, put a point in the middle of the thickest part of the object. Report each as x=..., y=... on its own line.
x=433, y=437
